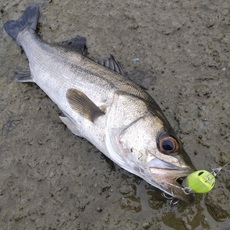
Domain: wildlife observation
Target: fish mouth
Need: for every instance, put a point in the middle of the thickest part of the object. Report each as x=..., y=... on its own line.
x=175, y=188
x=169, y=178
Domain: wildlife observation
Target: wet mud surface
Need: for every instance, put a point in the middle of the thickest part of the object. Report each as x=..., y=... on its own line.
x=50, y=179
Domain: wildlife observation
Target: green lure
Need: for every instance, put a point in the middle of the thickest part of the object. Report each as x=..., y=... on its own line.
x=200, y=181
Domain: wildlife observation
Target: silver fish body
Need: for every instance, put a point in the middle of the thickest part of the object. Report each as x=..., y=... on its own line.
x=101, y=105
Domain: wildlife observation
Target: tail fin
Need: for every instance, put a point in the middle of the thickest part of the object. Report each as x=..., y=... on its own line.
x=28, y=20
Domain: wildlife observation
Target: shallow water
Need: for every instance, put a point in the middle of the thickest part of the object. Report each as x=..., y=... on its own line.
x=50, y=179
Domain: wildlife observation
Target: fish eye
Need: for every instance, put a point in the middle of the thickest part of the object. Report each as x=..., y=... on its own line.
x=168, y=145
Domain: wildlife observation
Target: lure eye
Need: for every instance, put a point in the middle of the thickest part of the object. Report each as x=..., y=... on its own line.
x=168, y=145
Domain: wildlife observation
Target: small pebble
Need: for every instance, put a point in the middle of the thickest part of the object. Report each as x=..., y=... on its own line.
x=136, y=59
x=99, y=209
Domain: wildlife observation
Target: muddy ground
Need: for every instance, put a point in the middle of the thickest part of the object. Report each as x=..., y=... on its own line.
x=50, y=179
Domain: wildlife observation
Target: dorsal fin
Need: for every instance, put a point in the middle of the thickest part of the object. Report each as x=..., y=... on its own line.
x=111, y=63
x=77, y=44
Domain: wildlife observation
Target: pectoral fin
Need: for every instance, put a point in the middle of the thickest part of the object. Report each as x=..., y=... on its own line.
x=83, y=105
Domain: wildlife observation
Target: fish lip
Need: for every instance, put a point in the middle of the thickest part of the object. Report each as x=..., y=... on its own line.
x=177, y=190
x=166, y=176
x=167, y=181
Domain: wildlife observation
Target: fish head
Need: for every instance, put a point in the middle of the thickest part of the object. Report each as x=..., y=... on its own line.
x=141, y=140
x=157, y=155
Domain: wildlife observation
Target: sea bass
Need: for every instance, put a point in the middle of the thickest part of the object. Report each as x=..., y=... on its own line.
x=102, y=105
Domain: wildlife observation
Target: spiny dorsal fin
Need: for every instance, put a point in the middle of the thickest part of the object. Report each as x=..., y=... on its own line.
x=144, y=80
x=111, y=63
x=83, y=105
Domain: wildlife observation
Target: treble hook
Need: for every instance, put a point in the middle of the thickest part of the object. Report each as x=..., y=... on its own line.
x=173, y=201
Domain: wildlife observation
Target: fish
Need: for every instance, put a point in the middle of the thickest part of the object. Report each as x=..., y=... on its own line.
x=101, y=104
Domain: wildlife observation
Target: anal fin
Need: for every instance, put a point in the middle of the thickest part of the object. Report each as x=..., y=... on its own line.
x=24, y=76
x=83, y=105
